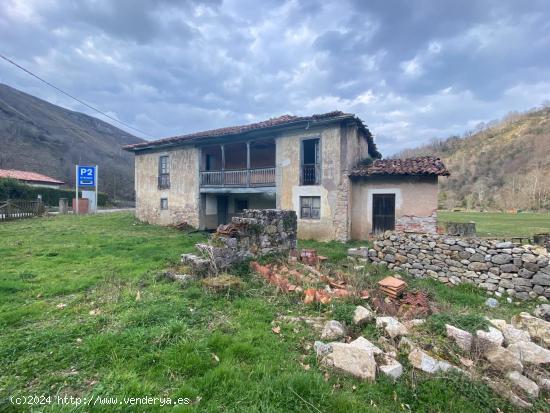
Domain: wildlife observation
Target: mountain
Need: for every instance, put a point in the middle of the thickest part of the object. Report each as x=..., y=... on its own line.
x=503, y=164
x=39, y=136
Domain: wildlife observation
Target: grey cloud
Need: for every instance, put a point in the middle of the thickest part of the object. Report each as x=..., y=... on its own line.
x=411, y=70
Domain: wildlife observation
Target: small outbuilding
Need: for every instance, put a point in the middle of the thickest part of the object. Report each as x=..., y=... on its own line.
x=395, y=194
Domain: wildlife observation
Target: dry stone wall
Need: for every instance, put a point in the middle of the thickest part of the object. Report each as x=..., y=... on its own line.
x=522, y=271
x=257, y=232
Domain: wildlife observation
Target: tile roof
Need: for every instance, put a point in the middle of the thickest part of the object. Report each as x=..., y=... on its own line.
x=281, y=121
x=426, y=165
x=28, y=176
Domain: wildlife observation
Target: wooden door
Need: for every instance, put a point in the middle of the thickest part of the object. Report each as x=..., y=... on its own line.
x=222, y=209
x=383, y=212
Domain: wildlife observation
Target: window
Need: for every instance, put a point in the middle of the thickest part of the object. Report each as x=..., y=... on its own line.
x=310, y=207
x=240, y=205
x=164, y=172
x=163, y=203
x=311, y=162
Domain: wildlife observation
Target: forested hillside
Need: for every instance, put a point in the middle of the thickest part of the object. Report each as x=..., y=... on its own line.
x=38, y=136
x=501, y=165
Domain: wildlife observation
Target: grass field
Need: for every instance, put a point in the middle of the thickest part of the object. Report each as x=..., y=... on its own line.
x=497, y=224
x=84, y=313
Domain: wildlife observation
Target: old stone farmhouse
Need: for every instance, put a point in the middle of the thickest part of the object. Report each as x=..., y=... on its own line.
x=325, y=167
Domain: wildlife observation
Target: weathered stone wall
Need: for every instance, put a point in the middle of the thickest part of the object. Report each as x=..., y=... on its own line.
x=183, y=194
x=334, y=185
x=501, y=267
x=257, y=232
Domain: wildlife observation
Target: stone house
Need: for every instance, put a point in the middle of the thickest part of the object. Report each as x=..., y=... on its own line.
x=325, y=167
x=31, y=178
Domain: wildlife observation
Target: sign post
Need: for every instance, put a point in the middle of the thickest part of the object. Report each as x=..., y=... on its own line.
x=86, y=178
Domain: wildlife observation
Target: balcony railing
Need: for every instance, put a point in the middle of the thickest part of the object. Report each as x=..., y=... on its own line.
x=310, y=174
x=239, y=178
x=164, y=181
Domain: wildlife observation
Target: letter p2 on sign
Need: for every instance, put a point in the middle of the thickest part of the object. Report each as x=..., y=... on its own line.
x=86, y=176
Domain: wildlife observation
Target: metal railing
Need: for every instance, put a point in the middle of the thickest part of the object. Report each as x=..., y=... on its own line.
x=310, y=174
x=164, y=181
x=239, y=177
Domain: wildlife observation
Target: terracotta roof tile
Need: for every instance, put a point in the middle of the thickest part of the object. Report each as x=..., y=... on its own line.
x=285, y=120
x=426, y=165
x=28, y=176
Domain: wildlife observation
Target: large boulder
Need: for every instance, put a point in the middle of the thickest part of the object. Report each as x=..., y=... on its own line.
x=538, y=328
x=503, y=359
x=514, y=335
x=462, y=338
x=362, y=315
x=333, y=330
x=423, y=361
x=489, y=340
x=365, y=344
x=530, y=353
x=392, y=326
x=522, y=383
x=390, y=367
x=351, y=360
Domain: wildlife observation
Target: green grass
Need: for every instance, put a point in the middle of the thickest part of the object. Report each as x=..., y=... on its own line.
x=498, y=224
x=169, y=341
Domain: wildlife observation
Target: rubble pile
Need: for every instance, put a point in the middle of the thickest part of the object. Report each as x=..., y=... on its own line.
x=512, y=358
x=257, y=232
x=310, y=283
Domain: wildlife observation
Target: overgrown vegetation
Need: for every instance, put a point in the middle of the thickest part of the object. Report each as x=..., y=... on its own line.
x=500, y=165
x=85, y=312
x=13, y=189
x=469, y=322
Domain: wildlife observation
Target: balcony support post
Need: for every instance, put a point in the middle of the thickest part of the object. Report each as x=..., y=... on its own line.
x=223, y=164
x=248, y=163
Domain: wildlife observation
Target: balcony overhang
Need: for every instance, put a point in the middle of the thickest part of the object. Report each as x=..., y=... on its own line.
x=239, y=190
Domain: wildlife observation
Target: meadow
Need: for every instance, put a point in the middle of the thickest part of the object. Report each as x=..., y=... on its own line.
x=499, y=224
x=85, y=311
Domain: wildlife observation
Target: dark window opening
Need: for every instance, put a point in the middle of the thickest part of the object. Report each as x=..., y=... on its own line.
x=383, y=212
x=240, y=205
x=164, y=172
x=310, y=207
x=311, y=162
x=163, y=203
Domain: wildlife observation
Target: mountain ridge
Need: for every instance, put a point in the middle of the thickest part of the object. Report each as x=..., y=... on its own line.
x=503, y=164
x=39, y=136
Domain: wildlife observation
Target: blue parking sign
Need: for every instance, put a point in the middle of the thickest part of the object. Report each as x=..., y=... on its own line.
x=86, y=176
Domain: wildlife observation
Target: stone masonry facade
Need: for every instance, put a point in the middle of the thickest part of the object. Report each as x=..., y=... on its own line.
x=417, y=224
x=521, y=271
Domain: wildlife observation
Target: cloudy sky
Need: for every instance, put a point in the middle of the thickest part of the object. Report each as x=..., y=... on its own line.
x=412, y=70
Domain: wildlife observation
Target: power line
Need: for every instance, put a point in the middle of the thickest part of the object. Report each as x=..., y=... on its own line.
x=71, y=96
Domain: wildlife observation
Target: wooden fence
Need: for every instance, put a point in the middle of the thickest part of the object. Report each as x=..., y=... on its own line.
x=20, y=209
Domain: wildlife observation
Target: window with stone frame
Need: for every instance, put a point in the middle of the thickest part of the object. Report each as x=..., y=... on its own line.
x=163, y=203
x=310, y=207
x=164, y=172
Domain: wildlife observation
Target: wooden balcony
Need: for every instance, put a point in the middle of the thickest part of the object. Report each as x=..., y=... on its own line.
x=238, y=178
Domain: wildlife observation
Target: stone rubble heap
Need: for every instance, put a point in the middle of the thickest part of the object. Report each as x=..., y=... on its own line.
x=501, y=267
x=516, y=353
x=257, y=232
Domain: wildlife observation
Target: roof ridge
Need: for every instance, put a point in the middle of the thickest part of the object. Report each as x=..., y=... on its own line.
x=234, y=130
x=420, y=165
